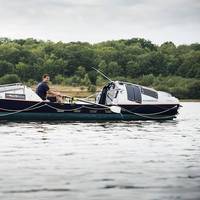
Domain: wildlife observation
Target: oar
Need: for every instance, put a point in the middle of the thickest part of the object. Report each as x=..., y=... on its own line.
x=115, y=109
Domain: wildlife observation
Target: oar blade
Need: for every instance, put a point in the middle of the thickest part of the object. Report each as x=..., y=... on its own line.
x=115, y=109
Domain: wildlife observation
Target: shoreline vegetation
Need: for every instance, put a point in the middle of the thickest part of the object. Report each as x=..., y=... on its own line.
x=167, y=67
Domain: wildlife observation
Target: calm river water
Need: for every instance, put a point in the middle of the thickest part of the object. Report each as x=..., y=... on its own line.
x=111, y=161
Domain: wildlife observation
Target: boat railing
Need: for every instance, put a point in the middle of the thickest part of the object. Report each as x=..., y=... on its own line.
x=12, y=87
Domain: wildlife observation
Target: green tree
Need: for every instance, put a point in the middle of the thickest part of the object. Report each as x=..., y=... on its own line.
x=81, y=72
x=23, y=71
x=6, y=67
x=114, y=69
x=133, y=69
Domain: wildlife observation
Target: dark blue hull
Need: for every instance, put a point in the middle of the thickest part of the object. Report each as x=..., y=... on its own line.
x=42, y=111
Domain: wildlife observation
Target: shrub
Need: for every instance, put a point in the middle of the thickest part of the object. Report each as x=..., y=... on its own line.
x=148, y=80
x=194, y=90
x=85, y=80
x=31, y=82
x=58, y=79
x=92, y=88
x=179, y=92
x=9, y=78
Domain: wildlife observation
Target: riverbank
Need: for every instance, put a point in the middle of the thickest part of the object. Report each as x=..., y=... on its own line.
x=82, y=91
x=189, y=100
x=78, y=91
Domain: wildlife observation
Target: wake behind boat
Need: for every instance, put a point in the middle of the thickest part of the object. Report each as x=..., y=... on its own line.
x=116, y=101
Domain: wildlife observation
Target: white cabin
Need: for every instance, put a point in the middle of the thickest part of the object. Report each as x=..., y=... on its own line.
x=123, y=93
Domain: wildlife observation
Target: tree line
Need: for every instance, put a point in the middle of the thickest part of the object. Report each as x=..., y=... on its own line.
x=175, y=69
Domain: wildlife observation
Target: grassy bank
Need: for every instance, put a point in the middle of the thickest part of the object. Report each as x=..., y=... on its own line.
x=189, y=100
x=82, y=91
x=78, y=91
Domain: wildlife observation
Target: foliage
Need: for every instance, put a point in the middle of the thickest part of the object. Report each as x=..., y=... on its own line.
x=92, y=88
x=167, y=67
x=9, y=78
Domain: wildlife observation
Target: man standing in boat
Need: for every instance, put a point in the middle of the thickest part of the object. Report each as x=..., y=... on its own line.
x=43, y=90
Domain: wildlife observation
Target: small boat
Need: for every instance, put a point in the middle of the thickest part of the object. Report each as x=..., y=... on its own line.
x=116, y=101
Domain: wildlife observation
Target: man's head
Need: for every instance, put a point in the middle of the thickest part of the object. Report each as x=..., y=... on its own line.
x=45, y=77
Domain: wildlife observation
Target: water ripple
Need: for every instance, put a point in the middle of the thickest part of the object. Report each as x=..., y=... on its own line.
x=144, y=160
x=39, y=190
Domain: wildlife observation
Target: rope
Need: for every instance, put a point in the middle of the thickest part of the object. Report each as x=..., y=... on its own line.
x=36, y=106
x=29, y=108
x=19, y=111
x=94, y=94
x=147, y=115
x=63, y=110
x=95, y=108
x=164, y=111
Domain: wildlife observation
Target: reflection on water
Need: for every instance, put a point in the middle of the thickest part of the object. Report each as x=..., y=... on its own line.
x=126, y=160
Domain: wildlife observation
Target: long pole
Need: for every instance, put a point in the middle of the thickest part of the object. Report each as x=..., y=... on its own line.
x=115, y=109
x=102, y=74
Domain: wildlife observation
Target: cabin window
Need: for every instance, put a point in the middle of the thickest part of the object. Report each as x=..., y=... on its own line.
x=133, y=93
x=150, y=93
